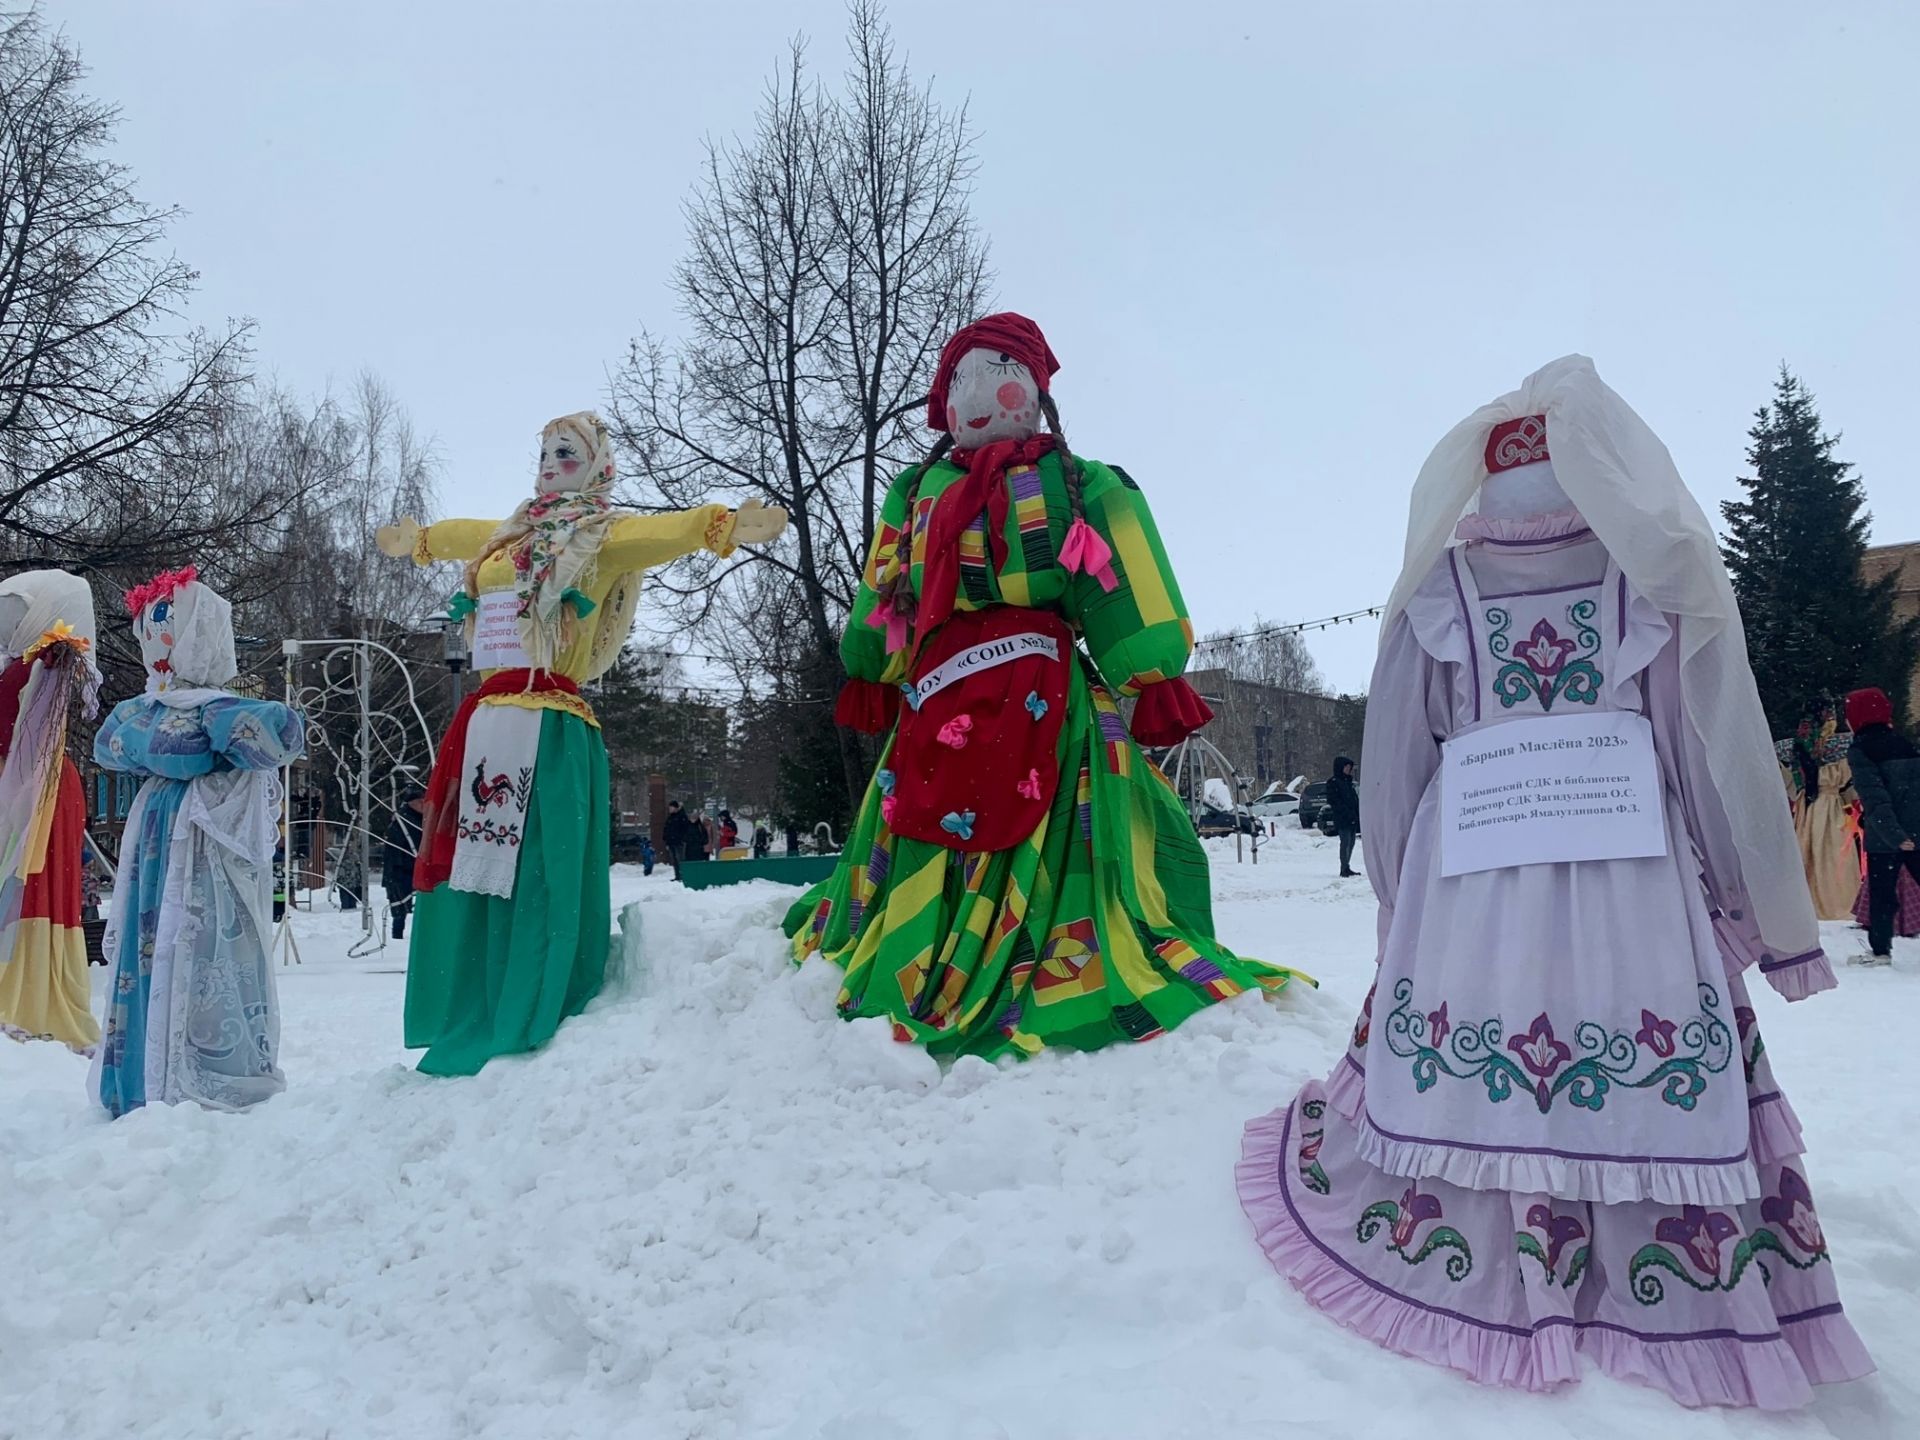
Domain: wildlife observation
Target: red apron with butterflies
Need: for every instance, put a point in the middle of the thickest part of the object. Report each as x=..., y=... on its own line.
x=975, y=761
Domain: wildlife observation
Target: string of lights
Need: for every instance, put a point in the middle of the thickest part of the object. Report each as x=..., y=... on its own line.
x=1292, y=628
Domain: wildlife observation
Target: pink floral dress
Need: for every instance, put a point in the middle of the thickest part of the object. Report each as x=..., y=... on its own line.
x=1556, y=1129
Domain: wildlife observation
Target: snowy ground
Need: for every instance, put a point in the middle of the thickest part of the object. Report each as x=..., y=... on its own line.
x=711, y=1209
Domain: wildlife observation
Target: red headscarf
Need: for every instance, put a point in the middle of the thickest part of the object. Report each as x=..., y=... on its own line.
x=1868, y=707
x=982, y=491
x=1009, y=334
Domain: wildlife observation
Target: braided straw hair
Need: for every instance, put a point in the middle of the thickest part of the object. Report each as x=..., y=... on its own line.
x=1069, y=467
x=903, y=542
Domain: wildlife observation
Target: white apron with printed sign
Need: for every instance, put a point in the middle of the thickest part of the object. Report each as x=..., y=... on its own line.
x=1555, y=1130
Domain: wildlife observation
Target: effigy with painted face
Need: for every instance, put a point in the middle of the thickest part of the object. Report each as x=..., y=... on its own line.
x=191, y=1012
x=1019, y=876
x=512, y=910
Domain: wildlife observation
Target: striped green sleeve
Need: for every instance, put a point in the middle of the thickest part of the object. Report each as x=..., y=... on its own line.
x=1139, y=633
x=863, y=648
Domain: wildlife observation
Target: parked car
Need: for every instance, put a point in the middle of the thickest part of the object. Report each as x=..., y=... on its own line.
x=1313, y=801
x=1277, y=806
x=1214, y=821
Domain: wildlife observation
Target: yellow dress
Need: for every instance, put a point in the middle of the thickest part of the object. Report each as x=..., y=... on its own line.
x=44, y=994
x=1828, y=835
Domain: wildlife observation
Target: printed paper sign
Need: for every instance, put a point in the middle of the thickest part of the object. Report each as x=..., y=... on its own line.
x=986, y=656
x=496, y=634
x=1534, y=792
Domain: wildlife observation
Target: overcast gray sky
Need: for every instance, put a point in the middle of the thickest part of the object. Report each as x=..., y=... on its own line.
x=1280, y=249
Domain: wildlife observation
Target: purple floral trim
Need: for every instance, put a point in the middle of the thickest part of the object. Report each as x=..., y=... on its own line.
x=1466, y=618
x=1675, y=1059
x=1768, y=964
x=1523, y=1331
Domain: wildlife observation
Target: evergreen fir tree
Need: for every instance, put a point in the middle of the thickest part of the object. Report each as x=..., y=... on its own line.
x=1815, y=627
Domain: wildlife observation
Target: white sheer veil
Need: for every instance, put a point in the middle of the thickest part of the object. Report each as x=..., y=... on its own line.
x=1623, y=481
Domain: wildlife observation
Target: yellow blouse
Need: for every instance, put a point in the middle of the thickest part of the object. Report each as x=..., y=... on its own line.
x=634, y=543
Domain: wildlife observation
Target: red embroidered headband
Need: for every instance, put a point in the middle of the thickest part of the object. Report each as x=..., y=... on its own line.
x=1517, y=442
x=161, y=587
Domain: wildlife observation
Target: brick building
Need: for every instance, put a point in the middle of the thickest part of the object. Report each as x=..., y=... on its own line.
x=1271, y=733
x=1904, y=560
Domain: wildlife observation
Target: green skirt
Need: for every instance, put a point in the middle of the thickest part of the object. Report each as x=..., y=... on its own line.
x=489, y=976
x=1096, y=928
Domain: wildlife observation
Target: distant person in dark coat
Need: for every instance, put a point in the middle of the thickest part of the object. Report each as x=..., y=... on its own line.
x=1886, y=777
x=1343, y=803
x=762, y=841
x=678, y=833
x=397, y=854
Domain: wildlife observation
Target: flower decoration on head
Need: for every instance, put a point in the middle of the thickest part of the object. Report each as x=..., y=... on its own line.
x=162, y=587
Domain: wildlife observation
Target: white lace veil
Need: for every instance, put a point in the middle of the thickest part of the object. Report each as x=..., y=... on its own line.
x=1623, y=481
x=203, y=655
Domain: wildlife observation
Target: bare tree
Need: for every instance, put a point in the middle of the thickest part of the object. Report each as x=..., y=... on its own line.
x=1272, y=711
x=830, y=255
x=1263, y=655
x=105, y=412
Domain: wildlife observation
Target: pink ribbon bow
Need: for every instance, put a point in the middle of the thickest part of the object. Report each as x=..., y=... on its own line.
x=1087, y=553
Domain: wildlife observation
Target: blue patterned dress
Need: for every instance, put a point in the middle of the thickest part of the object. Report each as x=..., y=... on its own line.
x=172, y=747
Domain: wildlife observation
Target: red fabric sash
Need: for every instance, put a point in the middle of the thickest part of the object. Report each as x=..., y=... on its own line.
x=984, y=488
x=440, y=825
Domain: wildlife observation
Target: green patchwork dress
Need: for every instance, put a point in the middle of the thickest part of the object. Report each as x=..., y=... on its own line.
x=1098, y=926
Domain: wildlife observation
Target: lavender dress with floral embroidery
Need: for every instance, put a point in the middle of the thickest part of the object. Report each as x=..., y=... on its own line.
x=1556, y=1129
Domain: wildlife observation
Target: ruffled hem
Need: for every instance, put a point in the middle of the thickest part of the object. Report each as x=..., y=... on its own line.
x=1537, y=1361
x=1799, y=976
x=1527, y=530
x=1602, y=1181
x=1167, y=712
x=1818, y=1348
x=1773, y=1128
x=28, y=1037
x=1765, y=1375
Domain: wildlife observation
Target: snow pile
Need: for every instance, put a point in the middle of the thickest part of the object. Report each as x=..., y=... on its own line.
x=711, y=1209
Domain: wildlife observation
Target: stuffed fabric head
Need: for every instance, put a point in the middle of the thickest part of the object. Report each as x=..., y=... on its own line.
x=35, y=602
x=185, y=632
x=988, y=385
x=1520, y=483
x=576, y=454
x=554, y=542
x=992, y=397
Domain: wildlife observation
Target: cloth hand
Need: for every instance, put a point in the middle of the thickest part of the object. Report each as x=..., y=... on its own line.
x=755, y=523
x=1906, y=844
x=399, y=538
